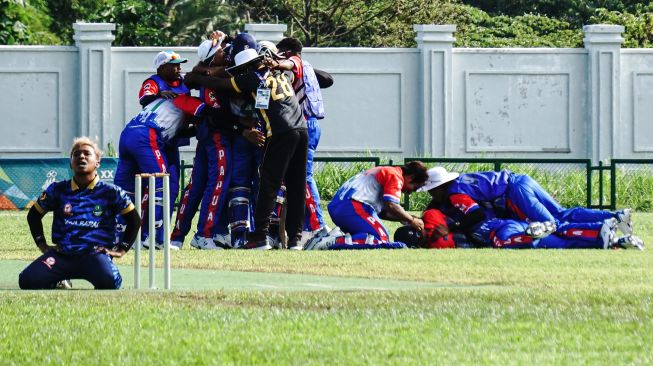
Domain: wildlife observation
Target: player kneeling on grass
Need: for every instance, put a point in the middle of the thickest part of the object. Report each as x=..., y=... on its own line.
x=83, y=228
x=357, y=207
x=439, y=233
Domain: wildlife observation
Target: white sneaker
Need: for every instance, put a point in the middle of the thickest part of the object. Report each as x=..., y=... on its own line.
x=297, y=246
x=203, y=243
x=176, y=245
x=608, y=233
x=336, y=232
x=624, y=221
x=630, y=242
x=539, y=230
x=275, y=243
x=320, y=243
x=223, y=241
x=64, y=285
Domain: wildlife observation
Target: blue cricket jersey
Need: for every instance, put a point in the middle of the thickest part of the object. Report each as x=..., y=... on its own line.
x=83, y=217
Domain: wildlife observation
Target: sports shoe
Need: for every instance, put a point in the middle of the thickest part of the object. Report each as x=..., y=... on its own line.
x=275, y=243
x=608, y=233
x=64, y=285
x=295, y=246
x=222, y=241
x=629, y=242
x=539, y=230
x=336, y=232
x=238, y=243
x=624, y=221
x=321, y=243
x=203, y=243
x=258, y=245
x=176, y=244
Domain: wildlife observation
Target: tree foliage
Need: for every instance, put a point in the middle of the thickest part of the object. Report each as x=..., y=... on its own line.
x=638, y=25
x=24, y=23
x=373, y=23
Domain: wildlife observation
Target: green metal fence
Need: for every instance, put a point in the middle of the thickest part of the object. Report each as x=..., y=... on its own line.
x=568, y=180
x=573, y=182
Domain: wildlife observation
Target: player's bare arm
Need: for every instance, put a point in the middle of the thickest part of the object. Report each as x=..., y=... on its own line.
x=395, y=212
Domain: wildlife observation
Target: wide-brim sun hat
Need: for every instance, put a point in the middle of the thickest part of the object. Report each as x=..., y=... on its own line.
x=243, y=60
x=437, y=177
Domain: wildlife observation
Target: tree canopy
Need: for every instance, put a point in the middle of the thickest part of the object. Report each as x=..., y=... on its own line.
x=370, y=23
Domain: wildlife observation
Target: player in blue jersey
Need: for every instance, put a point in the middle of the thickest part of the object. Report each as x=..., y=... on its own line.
x=212, y=167
x=286, y=143
x=495, y=206
x=83, y=228
x=441, y=232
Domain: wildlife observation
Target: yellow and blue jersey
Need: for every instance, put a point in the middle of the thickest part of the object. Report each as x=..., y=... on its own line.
x=83, y=217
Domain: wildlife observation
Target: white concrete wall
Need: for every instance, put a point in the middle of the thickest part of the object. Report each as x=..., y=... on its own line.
x=433, y=100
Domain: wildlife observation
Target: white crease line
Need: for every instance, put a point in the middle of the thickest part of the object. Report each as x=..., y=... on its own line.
x=265, y=286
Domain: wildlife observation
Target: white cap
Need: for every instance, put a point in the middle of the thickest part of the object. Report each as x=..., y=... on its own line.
x=245, y=55
x=437, y=177
x=207, y=49
x=168, y=57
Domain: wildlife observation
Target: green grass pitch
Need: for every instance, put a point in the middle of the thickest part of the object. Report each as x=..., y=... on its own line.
x=403, y=307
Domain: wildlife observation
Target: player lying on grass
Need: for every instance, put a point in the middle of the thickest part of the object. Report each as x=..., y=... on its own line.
x=83, y=228
x=357, y=206
x=472, y=198
x=481, y=206
x=439, y=233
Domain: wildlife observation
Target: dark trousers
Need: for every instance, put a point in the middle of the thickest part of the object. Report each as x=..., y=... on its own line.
x=284, y=160
x=52, y=267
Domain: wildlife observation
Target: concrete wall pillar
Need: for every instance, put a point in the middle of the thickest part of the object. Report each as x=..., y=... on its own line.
x=435, y=43
x=94, y=43
x=603, y=44
x=266, y=32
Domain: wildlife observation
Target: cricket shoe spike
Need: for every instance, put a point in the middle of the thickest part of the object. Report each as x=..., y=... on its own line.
x=223, y=241
x=624, y=221
x=203, y=243
x=629, y=242
x=538, y=230
x=608, y=234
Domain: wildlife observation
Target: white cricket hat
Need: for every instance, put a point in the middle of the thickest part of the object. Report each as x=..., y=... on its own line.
x=245, y=56
x=437, y=177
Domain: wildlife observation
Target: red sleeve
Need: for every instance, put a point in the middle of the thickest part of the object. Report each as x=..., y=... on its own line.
x=149, y=87
x=189, y=105
x=297, y=70
x=433, y=219
x=463, y=202
x=392, y=181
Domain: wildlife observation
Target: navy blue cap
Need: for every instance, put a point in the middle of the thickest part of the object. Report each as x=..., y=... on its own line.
x=241, y=42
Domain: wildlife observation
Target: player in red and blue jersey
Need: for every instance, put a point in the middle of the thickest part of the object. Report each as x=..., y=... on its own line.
x=212, y=167
x=440, y=232
x=360, y=203
x=83, y=228
x=146, y=138
x=493, y=207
